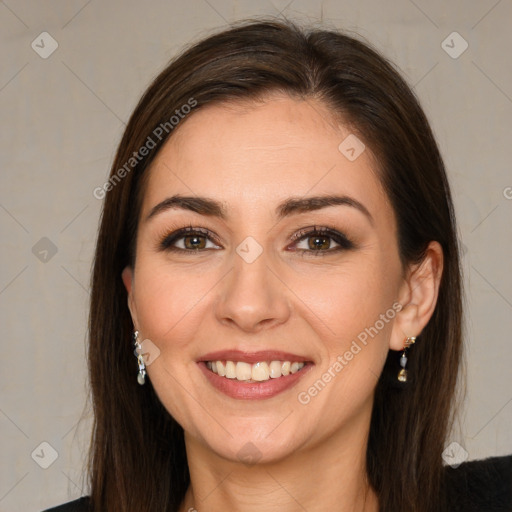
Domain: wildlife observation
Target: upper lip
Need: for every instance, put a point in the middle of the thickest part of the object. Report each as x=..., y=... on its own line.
x=252, y=357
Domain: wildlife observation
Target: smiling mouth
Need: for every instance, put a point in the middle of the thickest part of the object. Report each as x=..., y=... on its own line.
x=256, y=372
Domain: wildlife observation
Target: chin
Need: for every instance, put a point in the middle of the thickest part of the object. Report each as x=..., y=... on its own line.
x=273, y=440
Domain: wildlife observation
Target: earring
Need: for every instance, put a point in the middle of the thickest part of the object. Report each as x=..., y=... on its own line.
x=402, y=374
x=141, y=376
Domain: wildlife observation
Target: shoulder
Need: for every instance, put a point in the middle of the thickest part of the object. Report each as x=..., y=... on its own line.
x=480, y=485
x=80, y=505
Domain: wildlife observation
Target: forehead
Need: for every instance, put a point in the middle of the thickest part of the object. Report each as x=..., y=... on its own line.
x=254, y=155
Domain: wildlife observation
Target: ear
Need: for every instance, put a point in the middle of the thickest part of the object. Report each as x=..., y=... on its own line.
x=127, y=276
x=418, y=296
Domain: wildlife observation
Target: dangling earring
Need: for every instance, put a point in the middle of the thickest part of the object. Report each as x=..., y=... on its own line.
x=402, y=374
x=141, y=376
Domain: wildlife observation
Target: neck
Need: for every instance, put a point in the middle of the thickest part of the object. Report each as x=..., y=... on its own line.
x=328, y=476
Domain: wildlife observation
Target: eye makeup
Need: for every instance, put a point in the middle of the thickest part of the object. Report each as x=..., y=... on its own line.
x=196, y=239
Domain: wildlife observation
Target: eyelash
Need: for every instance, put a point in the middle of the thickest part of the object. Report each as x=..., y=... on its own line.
x=343, y=241
x=323, y=232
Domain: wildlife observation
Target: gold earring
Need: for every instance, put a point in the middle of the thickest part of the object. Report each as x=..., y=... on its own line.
x=402, y=374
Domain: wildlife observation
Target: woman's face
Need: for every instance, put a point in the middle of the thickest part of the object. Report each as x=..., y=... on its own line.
x=300, y=320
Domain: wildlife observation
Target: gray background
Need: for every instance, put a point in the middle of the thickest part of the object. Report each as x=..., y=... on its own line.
x=63, y=116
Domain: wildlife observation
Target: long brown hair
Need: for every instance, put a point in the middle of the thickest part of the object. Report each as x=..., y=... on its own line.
x=137, y=458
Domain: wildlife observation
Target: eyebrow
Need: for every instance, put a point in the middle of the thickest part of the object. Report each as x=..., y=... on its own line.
x=213, y=208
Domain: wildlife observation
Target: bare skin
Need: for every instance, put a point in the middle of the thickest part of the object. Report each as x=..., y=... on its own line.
x=304, y=453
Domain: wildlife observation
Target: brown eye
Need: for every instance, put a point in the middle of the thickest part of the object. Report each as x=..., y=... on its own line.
x=194, y=242
x=188, y=240
x=321, y=241
x=318, y=242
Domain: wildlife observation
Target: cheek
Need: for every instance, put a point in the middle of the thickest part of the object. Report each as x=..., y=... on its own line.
x=169, y=302
x=354, y=314
x=349, y=299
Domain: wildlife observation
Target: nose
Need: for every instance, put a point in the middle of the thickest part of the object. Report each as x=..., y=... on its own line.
x=252, y=296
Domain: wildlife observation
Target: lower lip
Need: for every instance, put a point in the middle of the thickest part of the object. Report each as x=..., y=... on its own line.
x=253, y=390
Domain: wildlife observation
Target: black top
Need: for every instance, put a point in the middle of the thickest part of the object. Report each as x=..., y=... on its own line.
x=475, y=486
x=481, y=485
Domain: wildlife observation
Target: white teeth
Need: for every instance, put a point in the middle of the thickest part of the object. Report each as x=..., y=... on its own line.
x=221, y=368
x=257, y=372
x=294, y=368
x=260, y=371
x=230, y=370
x=275, y=369
x=243, y=371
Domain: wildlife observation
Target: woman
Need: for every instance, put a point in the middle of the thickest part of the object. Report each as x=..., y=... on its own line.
x=276, y=304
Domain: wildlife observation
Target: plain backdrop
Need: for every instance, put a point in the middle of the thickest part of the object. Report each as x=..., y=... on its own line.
x=62, y=116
